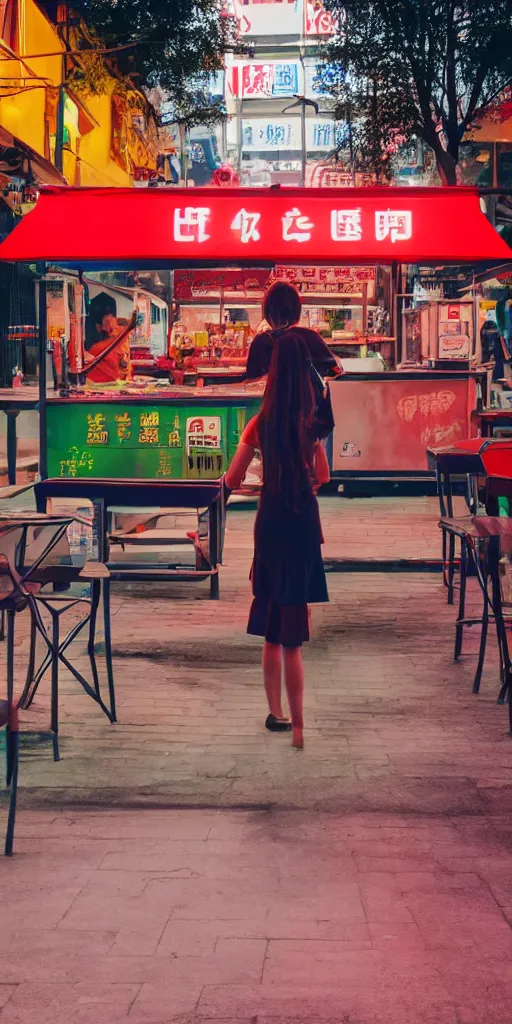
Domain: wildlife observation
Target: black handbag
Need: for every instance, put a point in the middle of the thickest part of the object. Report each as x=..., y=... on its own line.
x=324, y=417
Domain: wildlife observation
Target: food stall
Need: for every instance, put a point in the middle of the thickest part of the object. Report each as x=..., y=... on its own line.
x=384, y=419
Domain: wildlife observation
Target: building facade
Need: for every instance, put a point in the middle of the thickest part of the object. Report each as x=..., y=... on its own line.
x=280, y=128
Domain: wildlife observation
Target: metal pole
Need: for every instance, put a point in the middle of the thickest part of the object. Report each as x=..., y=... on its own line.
x=303, y=142
x=43, y=455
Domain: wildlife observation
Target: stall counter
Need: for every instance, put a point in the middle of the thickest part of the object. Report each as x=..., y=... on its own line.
x=385, y=421
x=181, y=434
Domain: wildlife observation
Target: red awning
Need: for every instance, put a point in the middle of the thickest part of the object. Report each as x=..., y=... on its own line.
x=186, y=226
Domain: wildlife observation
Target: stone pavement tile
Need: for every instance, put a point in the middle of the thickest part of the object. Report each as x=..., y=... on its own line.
x=397, y=934
x=382, y=898
x=478, y=987
x=85, y=1002
x=235, y=961
x=438, y=882
x=198, y=938
x=462, y=920
x=37, y=909
x=59, y=968
x=6, y=991
x=163, y=1003
x=110, y=912
x=137, y=939
x=85, y=853
x=180, y=825
x=26, y=940
x=333, y=1002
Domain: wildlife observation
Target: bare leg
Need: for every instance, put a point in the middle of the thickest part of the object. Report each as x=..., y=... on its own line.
x=272, y=668
x=294, y=679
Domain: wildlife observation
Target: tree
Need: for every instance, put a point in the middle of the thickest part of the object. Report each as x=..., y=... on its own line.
x=172, y=45
x=399, y=69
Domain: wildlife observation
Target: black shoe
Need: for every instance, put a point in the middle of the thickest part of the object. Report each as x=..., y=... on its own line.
x=274, y=724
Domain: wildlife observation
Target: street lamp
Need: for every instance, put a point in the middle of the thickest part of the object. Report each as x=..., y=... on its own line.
x=302, y=102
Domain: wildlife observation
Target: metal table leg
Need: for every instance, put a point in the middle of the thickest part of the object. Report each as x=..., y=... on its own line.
x=12, y=444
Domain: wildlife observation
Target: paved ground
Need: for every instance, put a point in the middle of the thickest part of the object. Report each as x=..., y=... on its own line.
x=185, y=866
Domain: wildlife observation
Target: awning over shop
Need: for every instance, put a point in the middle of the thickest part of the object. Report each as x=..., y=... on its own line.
x=180, y=227
x=15, y=154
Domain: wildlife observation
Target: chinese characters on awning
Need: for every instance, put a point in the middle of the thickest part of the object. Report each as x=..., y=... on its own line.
x=192, y=224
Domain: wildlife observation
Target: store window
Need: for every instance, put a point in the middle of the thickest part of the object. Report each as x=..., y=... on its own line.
x=155, y=314
x=476, y=163
x=504, y=163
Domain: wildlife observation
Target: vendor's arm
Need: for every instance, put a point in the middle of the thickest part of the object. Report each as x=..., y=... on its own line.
x=243, y=456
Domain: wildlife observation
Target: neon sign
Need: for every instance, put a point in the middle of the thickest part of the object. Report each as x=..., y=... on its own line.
x=191, y=225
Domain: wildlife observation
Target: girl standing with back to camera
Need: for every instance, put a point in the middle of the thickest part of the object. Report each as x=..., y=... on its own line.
x=287, y=572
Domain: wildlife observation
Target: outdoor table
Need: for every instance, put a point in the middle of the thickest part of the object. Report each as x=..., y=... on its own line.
x=40, y=556
x=489, y=420
x=12, y=402
x=471, y=458
x=142, y=494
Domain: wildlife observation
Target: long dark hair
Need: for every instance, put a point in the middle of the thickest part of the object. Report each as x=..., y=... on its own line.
x=285, y=423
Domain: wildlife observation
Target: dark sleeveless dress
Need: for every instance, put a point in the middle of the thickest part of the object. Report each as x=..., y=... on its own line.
x=287, y=571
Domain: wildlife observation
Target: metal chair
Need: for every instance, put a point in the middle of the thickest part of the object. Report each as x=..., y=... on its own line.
x=13, y=599
x=48, y=572
x=470, y=461
x=481, y=543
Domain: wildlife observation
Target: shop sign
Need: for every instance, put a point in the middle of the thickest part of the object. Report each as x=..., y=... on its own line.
x=278, y=78
x=190, y=284
x=352, y=277
x=272, y=135
x=203, y=283
x=267, y=18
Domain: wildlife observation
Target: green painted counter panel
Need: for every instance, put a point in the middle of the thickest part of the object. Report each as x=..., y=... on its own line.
x=186, y=439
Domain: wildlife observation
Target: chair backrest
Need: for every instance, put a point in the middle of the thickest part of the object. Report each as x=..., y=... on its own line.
x=39, y=550
x=11, y=542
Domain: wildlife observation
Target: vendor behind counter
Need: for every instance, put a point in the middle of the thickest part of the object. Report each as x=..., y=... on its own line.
x=117, y=365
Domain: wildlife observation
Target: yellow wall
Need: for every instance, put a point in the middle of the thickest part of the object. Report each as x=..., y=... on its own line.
x=96, y=164
x=24, y=115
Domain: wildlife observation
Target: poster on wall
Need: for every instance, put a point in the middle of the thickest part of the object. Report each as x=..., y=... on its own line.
x=274, y=78
x=268, y=18
x=318, y=21
x=262, y=134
